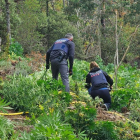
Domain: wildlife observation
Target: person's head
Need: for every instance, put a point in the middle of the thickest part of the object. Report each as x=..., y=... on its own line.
x=93, y=64
x=69, y=36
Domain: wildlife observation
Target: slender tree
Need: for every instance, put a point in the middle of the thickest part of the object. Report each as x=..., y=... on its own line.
x=64, y=3
x=47, y=8
x=8, y=18
x=99, y=30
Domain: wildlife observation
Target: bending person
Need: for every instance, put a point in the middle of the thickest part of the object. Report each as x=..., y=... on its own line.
x=97, y=84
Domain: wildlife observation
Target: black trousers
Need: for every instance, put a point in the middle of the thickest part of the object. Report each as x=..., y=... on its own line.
x=62, y=68
x=101, y=93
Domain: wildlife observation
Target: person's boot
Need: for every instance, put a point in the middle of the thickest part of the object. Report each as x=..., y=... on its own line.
x=105, y=107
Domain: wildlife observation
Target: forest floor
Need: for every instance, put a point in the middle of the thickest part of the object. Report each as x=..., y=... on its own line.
x=21, y=121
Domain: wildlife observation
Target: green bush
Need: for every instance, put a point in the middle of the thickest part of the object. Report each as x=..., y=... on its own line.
x=104, y=130
x=49, y=126
x=123, y=98
x=6, y=129
x=23, y=93
x=82, y=119
x=135, y=110
x=15, y=48
x=27, y=93
x=128, y=130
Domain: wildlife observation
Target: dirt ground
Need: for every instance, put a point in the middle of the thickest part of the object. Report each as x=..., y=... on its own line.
x=20, y=121
x=111, y=115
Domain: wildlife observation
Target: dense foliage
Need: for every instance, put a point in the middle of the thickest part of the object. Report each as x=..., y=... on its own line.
x=104, y=31
x=56, y=114
x=98, y=26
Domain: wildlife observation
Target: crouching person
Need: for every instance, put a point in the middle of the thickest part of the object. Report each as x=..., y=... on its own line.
x=97, y=84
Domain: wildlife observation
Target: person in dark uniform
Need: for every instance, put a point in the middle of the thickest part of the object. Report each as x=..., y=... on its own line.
x=61, y=50
x=97, y=84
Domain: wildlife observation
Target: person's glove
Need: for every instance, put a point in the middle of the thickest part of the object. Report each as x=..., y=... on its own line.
x=87, y=86
x=47, y=66
x=70, y=72
x=111, y=87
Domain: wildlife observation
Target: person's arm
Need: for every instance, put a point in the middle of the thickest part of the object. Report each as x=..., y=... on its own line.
x=88, y=81
x=48, y=57
x=109, y=79
x=71, y=56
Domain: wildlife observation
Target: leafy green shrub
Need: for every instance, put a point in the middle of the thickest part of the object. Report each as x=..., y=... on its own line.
x=104, y=130
x=6, y=128
x=137, y=133
x=15, y=48
x=99, y=61
x=123, y=98
x=26, y=93
x=135, y=110
x=127, y=130
x=5, y=64
x=82, y=119
x=49, y=126
x=4, y=105
x=80, y=70
x=128, y=77
x=22, y=68
x=107, y=68
x=57, y=97
x=50, y=84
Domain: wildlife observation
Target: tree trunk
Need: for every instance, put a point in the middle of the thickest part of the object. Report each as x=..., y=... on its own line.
x=47, y=8
x=78, y=23
x=117, y=56
x=116, y=61
x=99, y=31
x=0, y=43
x=8, y=19
x=103, y=14
x=67, y=2
x=64, y=3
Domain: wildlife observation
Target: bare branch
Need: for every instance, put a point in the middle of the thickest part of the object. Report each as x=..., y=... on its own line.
x=131, y=37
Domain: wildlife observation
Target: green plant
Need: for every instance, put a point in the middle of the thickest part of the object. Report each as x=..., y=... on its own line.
x=6, y=128
x=82, y=118
x=104, y=130
x=127, y=130
x=4, y=105
x=49, y=126
x=27, y=93
x=99, y=61
x=15, y=48
x=23, y=93
x=22, y=68
x=135, y=110
x=123, y=98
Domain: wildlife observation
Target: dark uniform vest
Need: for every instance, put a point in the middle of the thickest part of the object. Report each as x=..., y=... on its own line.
x=97, y=78
x=61, y=45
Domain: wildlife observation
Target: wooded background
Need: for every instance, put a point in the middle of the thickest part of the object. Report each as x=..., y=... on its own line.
x=105, y=28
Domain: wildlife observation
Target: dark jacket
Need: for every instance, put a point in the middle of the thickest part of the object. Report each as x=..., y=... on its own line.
x=55, y=53
x=101, y=85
